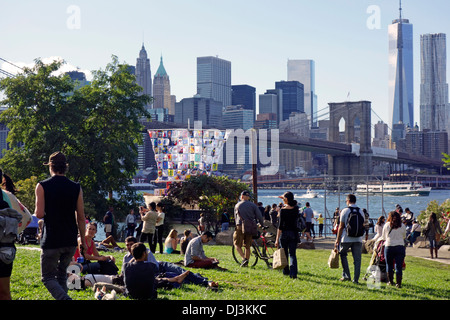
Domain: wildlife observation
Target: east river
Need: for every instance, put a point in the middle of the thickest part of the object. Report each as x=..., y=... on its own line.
x=374, y=204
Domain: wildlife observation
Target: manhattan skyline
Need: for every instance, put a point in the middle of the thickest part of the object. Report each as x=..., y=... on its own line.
x=347, y=40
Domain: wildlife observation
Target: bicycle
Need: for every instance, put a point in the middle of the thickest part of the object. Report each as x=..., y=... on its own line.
x=264, y=252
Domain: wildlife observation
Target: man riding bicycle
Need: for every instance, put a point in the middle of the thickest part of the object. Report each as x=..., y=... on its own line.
x=245, y=210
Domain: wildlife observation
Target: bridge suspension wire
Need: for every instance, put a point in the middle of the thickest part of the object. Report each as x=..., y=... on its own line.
x=7, y=73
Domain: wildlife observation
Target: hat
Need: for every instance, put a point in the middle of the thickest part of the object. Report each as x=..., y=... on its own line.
x=56, y=158
x=245, y=193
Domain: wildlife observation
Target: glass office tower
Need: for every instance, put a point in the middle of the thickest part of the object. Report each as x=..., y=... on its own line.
x=214, y=79
x=303, y=71
x=401, y=90
x=293, y=98
x=433, y=85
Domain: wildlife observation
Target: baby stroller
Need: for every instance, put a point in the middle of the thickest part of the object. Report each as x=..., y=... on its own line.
x=376, y=272
x=29, y=235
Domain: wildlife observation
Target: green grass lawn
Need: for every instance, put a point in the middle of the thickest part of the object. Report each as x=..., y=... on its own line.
x=422, y=280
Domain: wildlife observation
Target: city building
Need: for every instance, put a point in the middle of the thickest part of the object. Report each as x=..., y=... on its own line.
x=198, y=108
x=426, y=143
x=143, y=74
x=266, y=121
x=434, y=106
x=214, y=79
x=245, y=96
x=381, y=135
x=271, y=102
x=161, y=90
x=303, y=71
x=79, y=78
x=237, y=117
x=293, y=98
x=161, y=115
x=401, y=84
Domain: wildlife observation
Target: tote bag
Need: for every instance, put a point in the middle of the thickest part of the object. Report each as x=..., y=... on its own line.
x=333, y=260
x=279, y=259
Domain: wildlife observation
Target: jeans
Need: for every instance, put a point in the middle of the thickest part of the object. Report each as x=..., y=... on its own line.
x=158, y=239
x=356, y=248
x=394, y=255
x=194, y=278
x=225, y=226
x=54, y=263
x=288, y=241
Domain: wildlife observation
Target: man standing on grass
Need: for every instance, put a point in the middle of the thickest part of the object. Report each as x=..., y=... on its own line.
x=245, y=210
x=345, y=242
x=59, y=201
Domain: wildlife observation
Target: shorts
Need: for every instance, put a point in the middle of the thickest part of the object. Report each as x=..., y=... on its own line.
x=5, y=269
x=6, y=260
x=108, y=228
x=240, y=239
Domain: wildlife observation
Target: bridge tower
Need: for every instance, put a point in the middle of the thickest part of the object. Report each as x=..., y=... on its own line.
x=350, y=111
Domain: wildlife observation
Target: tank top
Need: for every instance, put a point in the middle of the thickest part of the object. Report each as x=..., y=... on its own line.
x=60, y=224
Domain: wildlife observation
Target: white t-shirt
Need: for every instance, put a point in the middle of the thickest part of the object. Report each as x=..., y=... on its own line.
x=160, y=215
x=394, y=237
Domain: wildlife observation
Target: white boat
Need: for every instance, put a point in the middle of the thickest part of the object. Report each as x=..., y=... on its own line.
x=310, y=194
x=394, y=189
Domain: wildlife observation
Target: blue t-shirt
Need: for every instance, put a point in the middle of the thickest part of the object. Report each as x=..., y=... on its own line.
x=309, y=214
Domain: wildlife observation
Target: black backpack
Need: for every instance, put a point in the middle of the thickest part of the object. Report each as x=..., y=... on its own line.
x=301, y=222
x=355, y=223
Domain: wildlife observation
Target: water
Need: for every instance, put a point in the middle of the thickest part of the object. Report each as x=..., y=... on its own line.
x=373, y=204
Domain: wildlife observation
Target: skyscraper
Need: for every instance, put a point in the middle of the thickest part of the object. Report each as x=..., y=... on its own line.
x=214, y=79
x=293, y=98
x=143, y=73
x=206, y=110
x=401, y=91
x=245, y=96
x=303, y=71
x=434, y=107
x=161, y=90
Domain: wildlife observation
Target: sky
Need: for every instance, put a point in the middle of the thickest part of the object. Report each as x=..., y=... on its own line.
x=347, y=39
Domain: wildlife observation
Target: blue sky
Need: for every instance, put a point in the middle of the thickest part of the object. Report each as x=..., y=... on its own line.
x=257, y=36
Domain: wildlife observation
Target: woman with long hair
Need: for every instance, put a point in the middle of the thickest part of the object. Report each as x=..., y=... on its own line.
x=287, y=233
x=170, y=245
x=433, y=232
x=394, y=234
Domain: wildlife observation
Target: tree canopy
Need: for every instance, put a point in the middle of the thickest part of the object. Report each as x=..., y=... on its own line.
x=96, y=125
x=212, y=194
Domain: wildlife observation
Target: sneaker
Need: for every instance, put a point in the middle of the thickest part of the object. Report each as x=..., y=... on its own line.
x=244, y=263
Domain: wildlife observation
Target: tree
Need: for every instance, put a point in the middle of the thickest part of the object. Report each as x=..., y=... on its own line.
x=97, y=126
x=212, y=194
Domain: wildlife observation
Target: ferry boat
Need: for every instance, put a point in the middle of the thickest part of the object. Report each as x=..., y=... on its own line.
x=394, y=189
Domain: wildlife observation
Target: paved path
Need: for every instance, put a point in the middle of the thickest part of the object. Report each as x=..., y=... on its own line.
x=443, y=253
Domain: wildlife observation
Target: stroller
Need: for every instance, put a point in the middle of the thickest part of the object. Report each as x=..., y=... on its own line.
x=376, y=272
x=31, y=233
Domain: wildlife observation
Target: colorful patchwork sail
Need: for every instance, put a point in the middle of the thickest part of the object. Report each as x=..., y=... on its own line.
x=180, y=153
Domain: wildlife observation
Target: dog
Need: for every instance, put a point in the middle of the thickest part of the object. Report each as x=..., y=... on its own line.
x=103, y=295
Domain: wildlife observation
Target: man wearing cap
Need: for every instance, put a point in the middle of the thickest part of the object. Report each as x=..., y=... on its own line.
x=245, y=210
x=59, y=201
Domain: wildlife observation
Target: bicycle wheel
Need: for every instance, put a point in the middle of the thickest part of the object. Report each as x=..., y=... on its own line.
x=253, y=257
x=267, y=253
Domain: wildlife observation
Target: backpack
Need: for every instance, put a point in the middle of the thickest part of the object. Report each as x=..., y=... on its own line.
x=301, y=222
x=355, y=223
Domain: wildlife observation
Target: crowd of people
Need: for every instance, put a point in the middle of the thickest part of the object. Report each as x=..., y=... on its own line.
x=67, y=241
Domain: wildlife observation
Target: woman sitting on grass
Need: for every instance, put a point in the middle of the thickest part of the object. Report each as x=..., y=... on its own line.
x=170, y=245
